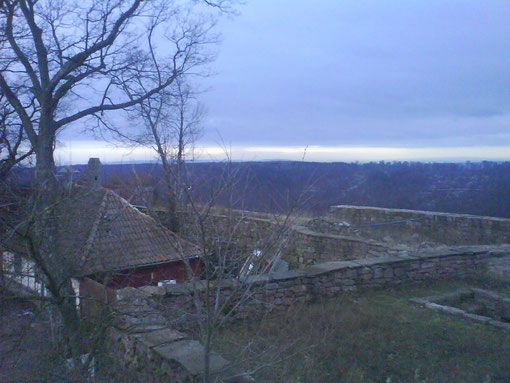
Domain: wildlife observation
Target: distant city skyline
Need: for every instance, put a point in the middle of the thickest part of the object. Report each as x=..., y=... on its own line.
x=353, y=81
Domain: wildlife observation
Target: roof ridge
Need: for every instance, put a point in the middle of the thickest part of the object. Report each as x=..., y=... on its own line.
x=93, y=230
x=150, y=218
x=176, y=241
x=132, y=207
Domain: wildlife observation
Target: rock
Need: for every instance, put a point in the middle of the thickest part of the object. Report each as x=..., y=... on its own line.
x=153, y=290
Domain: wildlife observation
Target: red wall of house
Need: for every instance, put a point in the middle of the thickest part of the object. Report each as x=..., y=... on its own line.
x=151, y=275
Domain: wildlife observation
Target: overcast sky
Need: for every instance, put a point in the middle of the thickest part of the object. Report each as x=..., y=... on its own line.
x=360, y=80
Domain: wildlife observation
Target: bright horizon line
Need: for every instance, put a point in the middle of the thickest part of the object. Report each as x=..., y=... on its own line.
x=78, y=152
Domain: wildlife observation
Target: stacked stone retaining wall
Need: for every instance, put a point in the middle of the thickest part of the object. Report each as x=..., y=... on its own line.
x=352, y=232
x=148, y=335
x=282, y=290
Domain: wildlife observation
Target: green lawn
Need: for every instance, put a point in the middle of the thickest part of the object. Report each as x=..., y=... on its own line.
x=373, y=336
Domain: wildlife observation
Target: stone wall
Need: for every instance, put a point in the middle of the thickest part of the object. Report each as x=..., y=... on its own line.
x=302, y=245
x=281, y=290
x=150, y=333
x=413, y=226
x=133, y=351
x=474, y=304
x=352, y=232
x=143, y=339
x=308, y=247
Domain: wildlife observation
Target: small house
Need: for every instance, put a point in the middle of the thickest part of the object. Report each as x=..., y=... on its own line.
x=101, y=236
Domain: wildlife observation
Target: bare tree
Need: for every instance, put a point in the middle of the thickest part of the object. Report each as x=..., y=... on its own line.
x=232, y=256
x=172, y=121
x=66, y=61
x=14, y=148
x=41, y=257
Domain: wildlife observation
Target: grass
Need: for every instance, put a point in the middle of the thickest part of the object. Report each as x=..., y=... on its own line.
x=375, y=336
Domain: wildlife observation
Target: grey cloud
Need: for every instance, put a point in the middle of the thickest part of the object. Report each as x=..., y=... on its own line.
x=366, y=72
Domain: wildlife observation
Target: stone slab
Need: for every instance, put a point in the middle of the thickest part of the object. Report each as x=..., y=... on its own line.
x=289, y=274
x=445, y=309
x=138, y=328
x=328, y=267
x=390, y=259
x=365, y=261
x=190, y=354
x=472, y=249
x=500, y=325
x=160, y=337
x=408, y=255
x=449, y=251
x=254, y=279
x=475, y=317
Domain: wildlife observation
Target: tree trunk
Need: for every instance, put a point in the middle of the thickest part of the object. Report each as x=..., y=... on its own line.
x=70, y=321
x=171, y=196
x=46, y=182
x=47, y=198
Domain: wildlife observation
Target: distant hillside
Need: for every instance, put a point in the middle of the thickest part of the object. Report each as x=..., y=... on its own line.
x=481, y=188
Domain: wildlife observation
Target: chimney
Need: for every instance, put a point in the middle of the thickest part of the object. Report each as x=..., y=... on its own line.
x=94, y=173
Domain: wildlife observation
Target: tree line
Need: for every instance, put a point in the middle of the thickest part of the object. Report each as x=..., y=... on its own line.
x=479, y=188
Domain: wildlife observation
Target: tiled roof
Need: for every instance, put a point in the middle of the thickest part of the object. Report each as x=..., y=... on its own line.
x=99, y=231
x=122, y=237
